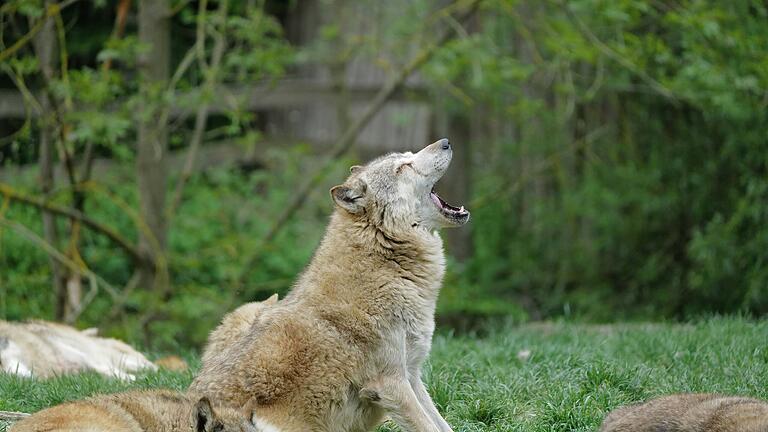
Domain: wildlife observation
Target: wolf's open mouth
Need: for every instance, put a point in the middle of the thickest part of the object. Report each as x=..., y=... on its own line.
x=459, y=215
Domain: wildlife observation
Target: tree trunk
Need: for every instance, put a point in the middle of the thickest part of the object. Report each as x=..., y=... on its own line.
x=151, y=175
x=46, y=49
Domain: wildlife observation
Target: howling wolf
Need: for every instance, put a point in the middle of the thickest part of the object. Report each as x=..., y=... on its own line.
x=345, y=348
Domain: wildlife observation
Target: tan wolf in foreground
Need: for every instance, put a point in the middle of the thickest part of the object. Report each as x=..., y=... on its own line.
x=346, y=346
x=45, y=349
x=690, y=413
x=137, y=411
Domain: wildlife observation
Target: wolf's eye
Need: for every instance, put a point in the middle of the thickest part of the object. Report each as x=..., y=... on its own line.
x=402, y=167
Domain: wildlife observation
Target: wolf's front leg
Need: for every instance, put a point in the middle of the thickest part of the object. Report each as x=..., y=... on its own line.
x=428, y=405
x=396, y=396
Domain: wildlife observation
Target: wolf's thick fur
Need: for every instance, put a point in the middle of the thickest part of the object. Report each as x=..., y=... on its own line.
x=233, y=326
x=138, y=411
x=45, y=349
x=690, y=413
x=346, y=346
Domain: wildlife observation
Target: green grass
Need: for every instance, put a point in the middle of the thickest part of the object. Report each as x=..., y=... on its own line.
x=573, y=377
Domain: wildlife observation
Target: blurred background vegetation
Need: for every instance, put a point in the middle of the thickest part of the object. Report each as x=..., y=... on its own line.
x=162, y=161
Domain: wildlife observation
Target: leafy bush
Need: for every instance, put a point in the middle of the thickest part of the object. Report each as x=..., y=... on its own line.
x=634, y=136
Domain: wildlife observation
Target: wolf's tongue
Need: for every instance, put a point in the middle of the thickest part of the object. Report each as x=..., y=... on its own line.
x=436, y=199
x=445, y=206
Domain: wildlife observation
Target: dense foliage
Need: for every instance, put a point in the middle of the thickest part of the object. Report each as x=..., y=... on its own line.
x=635, y=135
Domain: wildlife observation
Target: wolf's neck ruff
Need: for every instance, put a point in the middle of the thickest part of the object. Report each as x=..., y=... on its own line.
x=377, y=257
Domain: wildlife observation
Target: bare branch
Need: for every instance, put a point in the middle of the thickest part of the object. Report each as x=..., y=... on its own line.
x=513, y=184
x=201, y=117
x=75, y=215
x=200, y=45
x=178, y=8
x=60, y=257
x=29, y=103
x=19, y=44
x=28, y=97
x=50, y=11
x=119, y=28
x=613, y=55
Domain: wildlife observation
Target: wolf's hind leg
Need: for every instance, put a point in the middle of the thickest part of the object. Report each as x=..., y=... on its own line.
x=396, y=396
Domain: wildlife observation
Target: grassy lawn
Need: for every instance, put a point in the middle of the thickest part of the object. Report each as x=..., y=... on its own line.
x=574, y=375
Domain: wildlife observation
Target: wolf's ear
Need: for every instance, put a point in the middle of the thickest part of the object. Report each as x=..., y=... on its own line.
x=350, y=198
x=354, y=168
x=206, y=419
x=271, y=300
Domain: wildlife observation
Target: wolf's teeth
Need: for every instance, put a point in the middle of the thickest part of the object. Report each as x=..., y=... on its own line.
x=462, y=209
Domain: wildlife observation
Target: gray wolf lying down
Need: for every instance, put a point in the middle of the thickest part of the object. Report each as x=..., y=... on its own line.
x=44, y=349
x=690, y=413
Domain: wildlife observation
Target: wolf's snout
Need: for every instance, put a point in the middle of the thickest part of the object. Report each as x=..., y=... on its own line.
x=439, y=146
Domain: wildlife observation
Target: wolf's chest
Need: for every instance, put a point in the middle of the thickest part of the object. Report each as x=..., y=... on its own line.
x=417, y=347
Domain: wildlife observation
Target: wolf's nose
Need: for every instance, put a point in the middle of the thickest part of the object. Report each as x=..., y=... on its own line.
x=445, y=144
